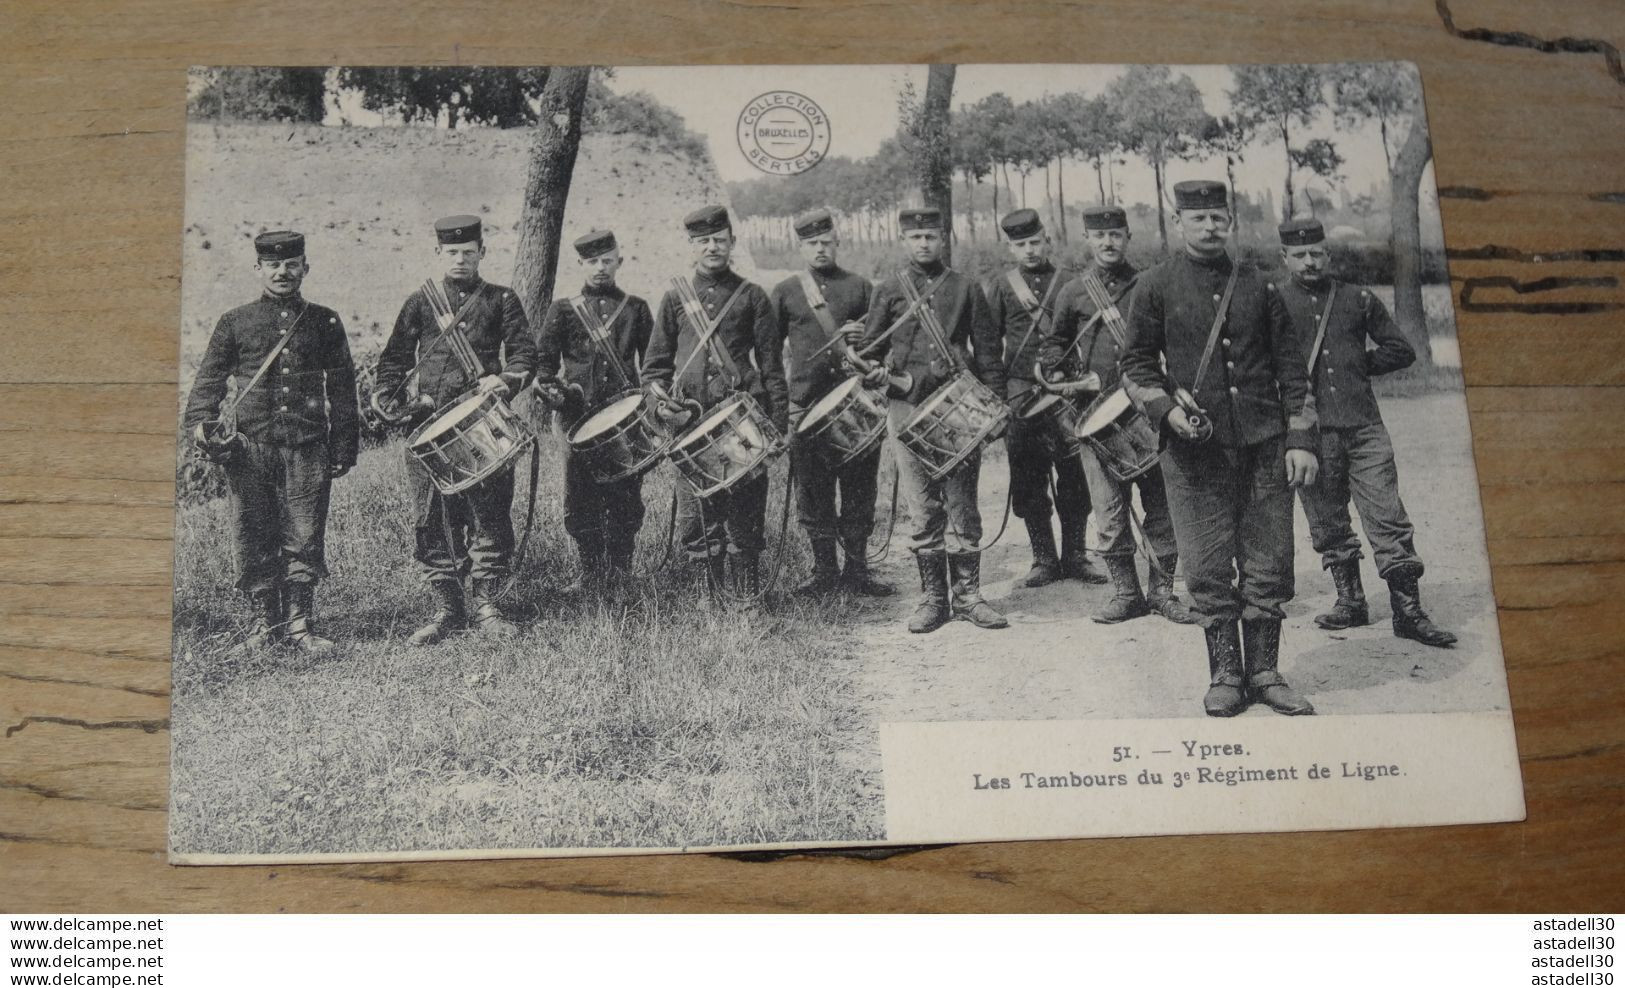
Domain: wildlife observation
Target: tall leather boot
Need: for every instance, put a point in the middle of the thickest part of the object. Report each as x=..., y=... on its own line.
x=487, y=615
x=1046, y=564
x=1127, y=603
x=856, y=575
x=590, y=548
x=932, y=612
x=1262, y=639
x=1074, y=556
x=826, y=572
x=268, y=624
x=1350, y=611
x=716, y=573
x=1162, y=598
x=620, y=551
x=301, y=619
x=1226, y=695
x=748, y=574
x=1410, y=621
x=965, y=588
x=449, y=615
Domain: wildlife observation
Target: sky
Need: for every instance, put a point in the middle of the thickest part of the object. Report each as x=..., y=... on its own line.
x=860, y=101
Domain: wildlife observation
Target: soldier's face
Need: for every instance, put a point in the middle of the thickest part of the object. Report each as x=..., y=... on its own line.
x=601, y=270
x=1206, y=231
x=1031, y=252
x=1307, y=264
x=1108, y=246
x=713, y=250
x=924, y=246
x=819, y=251
x=462, y=260
x=283, y=277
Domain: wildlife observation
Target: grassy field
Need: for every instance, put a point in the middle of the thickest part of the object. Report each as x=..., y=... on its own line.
x=646, y=717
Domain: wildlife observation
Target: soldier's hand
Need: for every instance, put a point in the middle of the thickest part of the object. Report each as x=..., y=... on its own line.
x=492, y=384
x=1301, y=467
x=875, y=378
x=337, y=470
x=1180, y=422
x=852, y=332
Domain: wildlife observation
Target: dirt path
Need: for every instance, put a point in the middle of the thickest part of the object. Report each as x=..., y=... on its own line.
x=1055, y=663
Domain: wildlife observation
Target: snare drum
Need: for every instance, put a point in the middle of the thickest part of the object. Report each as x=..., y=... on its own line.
x=957, y=419
x=732, y=444
x=1120, y=434
x=469, y=442
x=621, y=439
x=846, y=423
x=1051, y=413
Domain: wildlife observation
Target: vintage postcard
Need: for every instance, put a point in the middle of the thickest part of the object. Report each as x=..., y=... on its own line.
x=633, y=459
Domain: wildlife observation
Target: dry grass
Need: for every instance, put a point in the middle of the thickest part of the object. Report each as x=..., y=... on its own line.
x=643, y=718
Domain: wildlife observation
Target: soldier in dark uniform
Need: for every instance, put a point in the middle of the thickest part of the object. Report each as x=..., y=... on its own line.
x=743, y=355
x=1022, y=302
x=839, y=299
x=1230, y=495
x=603, y=519
x=946, y=522
x=295, y=430
x=1334, y=320
x=493, y=321
x=1065, y=356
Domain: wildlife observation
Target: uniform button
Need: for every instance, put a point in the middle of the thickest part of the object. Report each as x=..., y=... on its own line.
x=1326, y=352
x=284, y=389
x=284, y=370
x=284, y=313
x=462, y=295
x=1234, y=390
x=284, y=331
x=1215, y=298
x=462, y=325
x=1226, y=341
x=1314, y=298
x=284, y=408
x=1328, y=370
x=1333, y=387
x=1230, y=363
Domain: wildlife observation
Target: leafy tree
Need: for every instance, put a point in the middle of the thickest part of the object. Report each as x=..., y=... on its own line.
x=1319, y=157
x=499, y=96
x=1280, y=96
x=547, y=186
x=1091, y=129
x=923, y=133
x=248, y=92
x=1373, y=90
x=970, y=134
x=1163, y=120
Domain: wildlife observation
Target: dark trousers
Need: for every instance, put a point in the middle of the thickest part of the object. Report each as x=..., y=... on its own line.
x=1232, y=512
x=1113, y=500
x=1358, y=464
x=727, y=522
x=819, y=484
x=1037, y=454
x=462, y=534
x=600, y=516
x=278, y=497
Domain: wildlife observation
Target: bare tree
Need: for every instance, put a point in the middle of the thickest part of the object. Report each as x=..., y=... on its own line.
x=1373, y=90
x=1282, y=96
x=547, y=186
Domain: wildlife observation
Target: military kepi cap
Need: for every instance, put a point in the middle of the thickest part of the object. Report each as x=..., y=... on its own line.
x=1021, y=224
x=919, y=218
x=595, y=243
x=1200, y=194
x=1104, y=218
x=707, y=220
x=457, y=229
x=1301, y=232
x=279, y=245
x=814, y=224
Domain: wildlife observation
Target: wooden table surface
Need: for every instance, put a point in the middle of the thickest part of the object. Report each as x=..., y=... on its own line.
x=1525, y=102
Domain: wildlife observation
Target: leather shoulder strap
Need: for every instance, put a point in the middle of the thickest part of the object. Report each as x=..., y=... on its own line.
x=816, y=302
x=1320, y=330
x=1218, y=323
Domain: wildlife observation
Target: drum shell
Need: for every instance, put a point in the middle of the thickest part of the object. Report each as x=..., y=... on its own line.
x=479, y=444
x=731, y=450
x=1053, y=414
x=1128, y=445
x=849, y=429
x=631, y=447
x=959, y=418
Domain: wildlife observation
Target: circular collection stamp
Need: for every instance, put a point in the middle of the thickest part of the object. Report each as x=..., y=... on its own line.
x=783, y=133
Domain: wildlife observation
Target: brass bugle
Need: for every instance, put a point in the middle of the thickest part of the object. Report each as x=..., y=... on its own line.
x=1088, y=382
x=1199, y=420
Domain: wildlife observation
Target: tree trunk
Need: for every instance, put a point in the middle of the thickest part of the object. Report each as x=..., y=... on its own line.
x=1405, y=218
x=936, y=169
x=970, y=204
x=1060, y=192
x=1162, y=220
x=1235, y=214
x=1286, y=151
x=995, y=223
x=547, y=187
x=1100, y=179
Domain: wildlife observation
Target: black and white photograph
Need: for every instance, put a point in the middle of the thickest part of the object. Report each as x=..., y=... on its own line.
x=594, y=460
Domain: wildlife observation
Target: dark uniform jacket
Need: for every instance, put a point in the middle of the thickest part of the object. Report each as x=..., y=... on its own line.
x=1098, y=351
x=308, y=394
x=492, y=319
x=1255, y=387
x=747, y=333
x=1022, y=341
x=1343, y=372
x=565, y=341
x=847, y=296
x=960, y=307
